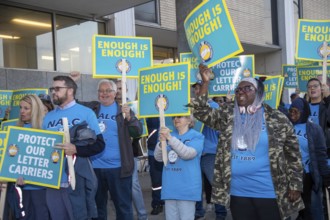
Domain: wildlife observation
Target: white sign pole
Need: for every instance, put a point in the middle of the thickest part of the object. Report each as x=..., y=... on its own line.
x=162, y=124
x=72, y=174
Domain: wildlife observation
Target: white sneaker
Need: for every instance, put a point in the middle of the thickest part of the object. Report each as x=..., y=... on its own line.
x=209, y=207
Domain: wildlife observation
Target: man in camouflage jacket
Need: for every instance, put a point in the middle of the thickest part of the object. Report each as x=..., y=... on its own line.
x=284, y=155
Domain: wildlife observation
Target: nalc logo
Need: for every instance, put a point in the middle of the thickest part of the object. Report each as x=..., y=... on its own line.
x=205, y=51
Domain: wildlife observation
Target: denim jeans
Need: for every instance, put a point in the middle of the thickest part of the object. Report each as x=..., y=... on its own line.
x=156, y=172
x=207, y=167
x=179, y=209
x=120, y=191
x=138, y=201
x=317, y=205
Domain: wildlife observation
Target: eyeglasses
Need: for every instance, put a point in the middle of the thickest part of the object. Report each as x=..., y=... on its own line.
x=106, y=91
x=57, y=88
x=244, y=89
x=315, y=86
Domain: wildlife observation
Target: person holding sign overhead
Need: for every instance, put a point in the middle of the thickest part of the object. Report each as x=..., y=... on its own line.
x=258, y=169
x=114, y=167
x=208, y=158
x=182, y=180
x=66, y=203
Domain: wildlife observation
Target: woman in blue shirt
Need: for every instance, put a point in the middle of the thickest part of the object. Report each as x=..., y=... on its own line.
x=182, y=183
x=34, y=197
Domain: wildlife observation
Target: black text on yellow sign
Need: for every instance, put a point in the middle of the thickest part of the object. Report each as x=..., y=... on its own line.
x=162, y=82
x=122, y=49
x=205, y=24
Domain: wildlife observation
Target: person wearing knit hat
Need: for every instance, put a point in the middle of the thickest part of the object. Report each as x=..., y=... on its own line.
x=258, y=169
x=314, y=157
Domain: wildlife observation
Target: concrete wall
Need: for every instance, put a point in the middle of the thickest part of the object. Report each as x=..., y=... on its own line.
x=316, y=9
x=248, y=19
x=11, y=79
x=167, y=14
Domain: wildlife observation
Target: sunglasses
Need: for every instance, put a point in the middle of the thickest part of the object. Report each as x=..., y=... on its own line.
x=57, y=88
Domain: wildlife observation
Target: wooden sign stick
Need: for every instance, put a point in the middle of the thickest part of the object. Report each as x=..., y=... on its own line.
x=162, y=124
x=72, y=174
x=3, y=196
x=325, y=56
x=123, y=82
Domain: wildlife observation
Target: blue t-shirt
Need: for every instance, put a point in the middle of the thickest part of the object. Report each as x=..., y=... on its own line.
x=76, y=114
x=182, y=178
x=110, y=157
x=211, y=135
x=300, y=130
x=314, y=116
x=251, y=176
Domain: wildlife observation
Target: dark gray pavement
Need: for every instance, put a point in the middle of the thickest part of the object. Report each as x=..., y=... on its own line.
x=145, y=183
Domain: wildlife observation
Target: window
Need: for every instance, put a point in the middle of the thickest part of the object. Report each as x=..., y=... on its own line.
x=26, y=40
x=20, y=32
x=271, y=25
x=147, y=12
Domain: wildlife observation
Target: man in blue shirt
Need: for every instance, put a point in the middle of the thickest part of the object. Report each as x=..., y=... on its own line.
x=115, y=165
x=66, y=203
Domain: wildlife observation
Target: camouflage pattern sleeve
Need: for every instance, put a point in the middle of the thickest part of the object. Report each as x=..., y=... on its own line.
x=204, y=113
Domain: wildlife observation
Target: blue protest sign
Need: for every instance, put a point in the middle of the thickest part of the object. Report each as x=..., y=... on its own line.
x=168, y=84
x=289, y=73
x=7, y=123
x=273, y=90
x=5, y=101
x=211, y=34
x=29, y=153
x=18, y=95
x=229, y=73
x=310, y=37
x=108, y=52
x=305, y=73
x=194, y=70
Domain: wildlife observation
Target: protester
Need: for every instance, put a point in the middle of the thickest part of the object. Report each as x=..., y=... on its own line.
x=208, y=158
x=156, y=168
x=47, y=102
x=182, y=182
x=319, y=99
x=114, y=167
x=314, y=156
x=33, y=197
x=65, y=203
x=258, y=170
x=137, y=195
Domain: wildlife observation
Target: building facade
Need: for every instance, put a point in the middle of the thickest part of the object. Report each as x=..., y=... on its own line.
x=31, y=55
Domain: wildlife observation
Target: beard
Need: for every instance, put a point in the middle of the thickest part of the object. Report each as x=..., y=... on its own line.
x=60, y=100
